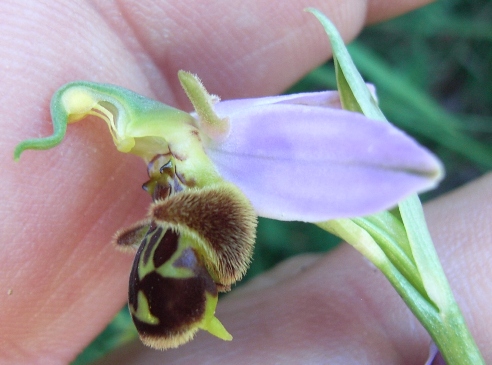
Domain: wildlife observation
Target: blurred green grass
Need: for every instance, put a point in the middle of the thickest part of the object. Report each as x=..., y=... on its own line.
x=433, y=72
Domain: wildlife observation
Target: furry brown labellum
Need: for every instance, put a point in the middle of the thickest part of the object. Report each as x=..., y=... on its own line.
x=194, y=243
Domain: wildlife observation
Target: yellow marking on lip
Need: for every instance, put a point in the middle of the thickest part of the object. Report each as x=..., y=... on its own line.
x=143, y=312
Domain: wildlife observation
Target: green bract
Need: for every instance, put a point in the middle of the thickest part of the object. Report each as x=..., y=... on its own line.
x=398, y=241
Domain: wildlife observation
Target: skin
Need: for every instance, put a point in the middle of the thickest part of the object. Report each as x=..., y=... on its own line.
x=61, y=280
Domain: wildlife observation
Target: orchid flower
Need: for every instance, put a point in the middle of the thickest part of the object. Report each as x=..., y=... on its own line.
x=292, y=157
x=296, y=157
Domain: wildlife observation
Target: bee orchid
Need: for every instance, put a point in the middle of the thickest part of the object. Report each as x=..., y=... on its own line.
x=212, y=171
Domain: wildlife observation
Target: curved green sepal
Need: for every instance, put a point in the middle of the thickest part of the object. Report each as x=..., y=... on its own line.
x=127, y=114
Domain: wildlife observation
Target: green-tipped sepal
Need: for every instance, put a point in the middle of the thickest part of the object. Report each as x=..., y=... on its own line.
x=129, y=116
x=138, y=125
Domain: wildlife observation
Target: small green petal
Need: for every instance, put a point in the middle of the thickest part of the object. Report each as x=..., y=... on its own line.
x=214, y=127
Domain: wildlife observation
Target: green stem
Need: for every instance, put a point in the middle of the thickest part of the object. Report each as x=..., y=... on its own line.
x=445, y=324
x=450, y=333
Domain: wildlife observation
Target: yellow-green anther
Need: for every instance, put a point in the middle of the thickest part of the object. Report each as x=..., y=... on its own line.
x=214, y=127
